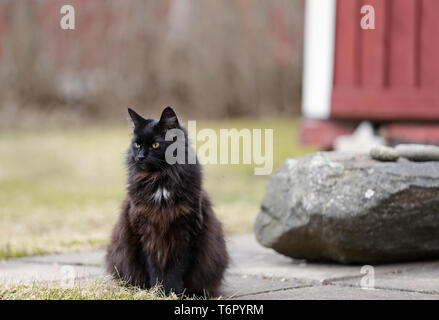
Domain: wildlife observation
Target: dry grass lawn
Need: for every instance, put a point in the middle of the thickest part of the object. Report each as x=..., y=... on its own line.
x=60, y=188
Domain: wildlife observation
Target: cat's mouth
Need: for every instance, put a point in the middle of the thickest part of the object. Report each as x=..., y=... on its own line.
x=141, y=164
x=148, y=165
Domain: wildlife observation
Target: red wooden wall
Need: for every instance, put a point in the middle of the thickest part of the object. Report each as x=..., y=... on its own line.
x=391, y=72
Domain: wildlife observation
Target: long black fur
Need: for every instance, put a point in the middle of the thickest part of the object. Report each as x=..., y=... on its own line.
x=175, y=241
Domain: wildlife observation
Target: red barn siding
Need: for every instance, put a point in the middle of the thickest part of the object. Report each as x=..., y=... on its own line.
x=391, y=72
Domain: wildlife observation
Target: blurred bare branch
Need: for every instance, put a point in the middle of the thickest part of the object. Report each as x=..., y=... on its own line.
x=207, y=58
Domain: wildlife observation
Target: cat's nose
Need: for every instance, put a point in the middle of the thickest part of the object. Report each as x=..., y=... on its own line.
x=140, y=157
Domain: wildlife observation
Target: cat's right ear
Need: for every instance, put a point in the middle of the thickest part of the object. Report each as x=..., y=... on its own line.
x=137, y=119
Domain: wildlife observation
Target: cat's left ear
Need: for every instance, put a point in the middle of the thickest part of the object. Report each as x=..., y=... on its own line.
x=169, y=119
x=137, y=119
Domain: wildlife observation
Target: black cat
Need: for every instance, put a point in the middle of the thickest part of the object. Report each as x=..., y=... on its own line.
x=167, y=232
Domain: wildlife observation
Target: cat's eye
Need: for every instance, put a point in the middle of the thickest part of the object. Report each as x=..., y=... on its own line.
x=155, y=145
x=136, y=145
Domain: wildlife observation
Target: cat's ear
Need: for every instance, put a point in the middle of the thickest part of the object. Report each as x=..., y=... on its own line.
x=169, y=119
x=137, y=119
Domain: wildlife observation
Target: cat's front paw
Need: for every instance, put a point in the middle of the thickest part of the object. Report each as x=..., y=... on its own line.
x=176, y=287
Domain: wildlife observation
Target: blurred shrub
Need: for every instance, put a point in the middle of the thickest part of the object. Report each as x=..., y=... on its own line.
x=207, y=58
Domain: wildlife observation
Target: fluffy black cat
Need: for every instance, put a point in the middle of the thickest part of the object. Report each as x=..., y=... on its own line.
x=167, y=232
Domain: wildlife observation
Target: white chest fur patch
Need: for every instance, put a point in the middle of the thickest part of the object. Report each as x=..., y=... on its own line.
x=165, y=193
x=161, y=193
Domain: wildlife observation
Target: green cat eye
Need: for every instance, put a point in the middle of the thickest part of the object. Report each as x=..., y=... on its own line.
x=155, y=145
x=136, y=145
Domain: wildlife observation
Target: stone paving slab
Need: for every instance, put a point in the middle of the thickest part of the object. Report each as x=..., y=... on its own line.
x=16, y=272
x=256, y=272
x=91, y=258
x=422, y=278
x=333, y=292
x=250, y=258
x=237, y=286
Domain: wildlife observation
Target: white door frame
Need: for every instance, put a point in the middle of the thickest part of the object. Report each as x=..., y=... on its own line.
x=318, y=58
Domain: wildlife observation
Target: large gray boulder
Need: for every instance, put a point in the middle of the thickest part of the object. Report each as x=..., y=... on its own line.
x=351, y=209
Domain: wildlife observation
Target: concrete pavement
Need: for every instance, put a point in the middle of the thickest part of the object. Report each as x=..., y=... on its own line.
x=260, y=273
